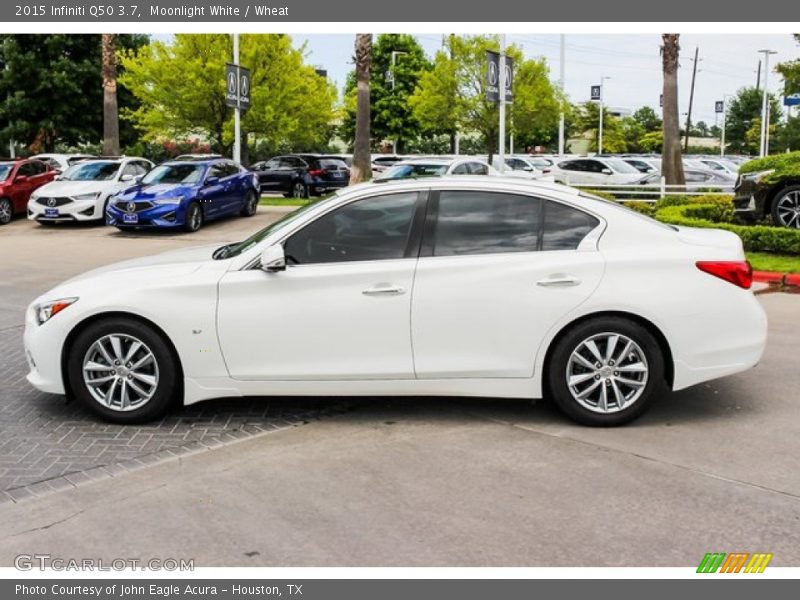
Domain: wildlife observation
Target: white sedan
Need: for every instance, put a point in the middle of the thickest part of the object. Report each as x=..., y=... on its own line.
x=476, y=286
x=596, y=171
x=81, y=193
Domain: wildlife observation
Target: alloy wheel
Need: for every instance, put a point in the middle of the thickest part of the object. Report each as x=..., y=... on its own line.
x=120, y=372
x=5, y=211
x=195, y=217
x=607, y=372
x=788, y=209
x=299, y=190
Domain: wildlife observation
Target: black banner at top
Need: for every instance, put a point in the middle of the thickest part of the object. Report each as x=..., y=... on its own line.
x=277, y=11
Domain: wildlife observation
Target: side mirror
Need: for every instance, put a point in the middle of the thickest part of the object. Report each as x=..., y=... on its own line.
x=126, y=177
x=212, y=181
x=607, y=172
x=273, y=259
x=528, y=169
x=138, y=178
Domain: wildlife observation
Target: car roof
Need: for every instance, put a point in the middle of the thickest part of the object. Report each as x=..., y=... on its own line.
x=488, y=183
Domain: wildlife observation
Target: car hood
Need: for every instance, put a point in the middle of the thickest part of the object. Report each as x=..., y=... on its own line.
x=158, y=190
x=74, y=188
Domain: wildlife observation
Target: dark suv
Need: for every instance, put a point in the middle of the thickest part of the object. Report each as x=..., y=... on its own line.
x=302, y=175
x=763, y=193
x=18, y=179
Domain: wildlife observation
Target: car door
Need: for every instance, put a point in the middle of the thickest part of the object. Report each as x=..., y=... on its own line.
x=214, y=193
x=24, y=184
x=496, y=272
x=341, y=308
x=573, y=172
x=268, y=178
x=233, y=192
x=596, y=172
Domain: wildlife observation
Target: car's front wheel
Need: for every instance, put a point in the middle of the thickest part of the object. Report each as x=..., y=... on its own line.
x=250, y=204
x=194, y=217
x=123, y=371
x=605, y=371
x=786, y=207
x=299, y=190
x=6, y=211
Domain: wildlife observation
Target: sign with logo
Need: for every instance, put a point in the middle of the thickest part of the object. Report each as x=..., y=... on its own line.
x=719, y=106
x=493, y=77
x=237, y=83
x=791, y=100
x=597, y=92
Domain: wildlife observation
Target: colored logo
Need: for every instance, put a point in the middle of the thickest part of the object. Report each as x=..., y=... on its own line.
x=735, y=562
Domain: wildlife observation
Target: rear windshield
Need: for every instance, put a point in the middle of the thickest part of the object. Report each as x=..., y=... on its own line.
x=332, y=163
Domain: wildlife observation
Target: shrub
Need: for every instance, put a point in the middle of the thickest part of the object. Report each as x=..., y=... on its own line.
x=646, y=208
x=784, y=165
x=601, y=194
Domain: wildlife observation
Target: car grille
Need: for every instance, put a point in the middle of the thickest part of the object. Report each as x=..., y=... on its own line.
x=133, y=206
x=53, y=202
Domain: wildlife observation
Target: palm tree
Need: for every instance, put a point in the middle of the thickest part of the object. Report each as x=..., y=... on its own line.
x=671, y=162
x=110, y=112
x=362, y=169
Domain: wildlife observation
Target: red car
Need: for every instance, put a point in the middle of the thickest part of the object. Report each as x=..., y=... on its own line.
x=18, y=178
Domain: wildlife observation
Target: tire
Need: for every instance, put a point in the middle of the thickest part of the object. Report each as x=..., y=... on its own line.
x=299, y=190
x=626, y=384
x=6, y=211
x=786, y=207
x=194, y=217
x=149, y=389
x=250, y=204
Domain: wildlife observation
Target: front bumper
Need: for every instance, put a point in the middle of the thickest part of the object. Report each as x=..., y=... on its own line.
x=43, y=344
x=748, y=199
x=77, y=210
x=160, y=216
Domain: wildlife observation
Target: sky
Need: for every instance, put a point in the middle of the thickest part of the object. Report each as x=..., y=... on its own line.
x=727, y=63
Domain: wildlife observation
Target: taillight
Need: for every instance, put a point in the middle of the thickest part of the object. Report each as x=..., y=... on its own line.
x=316, y=172
x=736, y=272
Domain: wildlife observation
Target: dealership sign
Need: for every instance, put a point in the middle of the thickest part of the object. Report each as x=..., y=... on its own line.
x=237, y=83
x=597, y=92
x=791, y=100
x=493, y=77
x=719, y=106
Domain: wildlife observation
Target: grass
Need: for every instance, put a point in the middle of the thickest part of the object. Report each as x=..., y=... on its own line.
x=780, y=263
x=284, y=201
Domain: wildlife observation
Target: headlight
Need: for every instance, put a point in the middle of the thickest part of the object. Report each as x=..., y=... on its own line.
x=758, y=176
x=47, y=310
x=82, y=197
x=163, y=201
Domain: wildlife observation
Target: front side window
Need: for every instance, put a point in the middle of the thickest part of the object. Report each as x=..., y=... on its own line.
x=478, y=169
x=565, y=227
x=486, y=223
x=369, y=229
x=5, y=170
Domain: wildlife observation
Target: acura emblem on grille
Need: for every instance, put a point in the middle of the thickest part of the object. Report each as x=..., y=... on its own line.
x=131, y=206
x=51, y=202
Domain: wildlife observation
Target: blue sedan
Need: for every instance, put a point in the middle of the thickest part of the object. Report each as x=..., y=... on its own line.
x=184, y=194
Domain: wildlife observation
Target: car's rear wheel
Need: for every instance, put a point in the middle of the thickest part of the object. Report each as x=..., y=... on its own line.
x=250, y=204
x=123, y=370
x=786, y=207
x=299, y=190
x=194, y=217
x=605, y=371
x=6, y=211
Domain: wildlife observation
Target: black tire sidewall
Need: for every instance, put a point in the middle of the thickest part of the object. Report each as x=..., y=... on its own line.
x=305, y=189
x=168, y=369
x=248, y=201
x=188, y=225
x=557, y=365
x=774, y=208
x=10, y=211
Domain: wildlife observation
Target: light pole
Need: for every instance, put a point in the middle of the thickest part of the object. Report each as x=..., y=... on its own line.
x=237, y=132
x=395, y=54
x=602, y=109
x=501, y=154
x=562, y=69
x=764, y=150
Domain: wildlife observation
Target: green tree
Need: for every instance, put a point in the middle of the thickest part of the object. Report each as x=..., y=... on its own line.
x=51, y=89
x=393, y=81
x=588, y=123
x=452, y=95
x=743, y=116
x=181, y=90
x=648, y=119
x=791, y=73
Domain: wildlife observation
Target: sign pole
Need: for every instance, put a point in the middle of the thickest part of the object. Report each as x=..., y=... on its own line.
x=237, y=133
x=600, y=129
x=501, y=155
x=724, y=117
x=561, y=86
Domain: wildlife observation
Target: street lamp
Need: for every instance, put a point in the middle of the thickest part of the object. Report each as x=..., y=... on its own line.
x=764, y=149
x=600, y=129
x=395, y=54
x=724, y=122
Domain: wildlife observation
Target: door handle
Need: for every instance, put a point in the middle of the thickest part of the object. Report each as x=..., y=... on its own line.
x=559, y=280
x=388, y=290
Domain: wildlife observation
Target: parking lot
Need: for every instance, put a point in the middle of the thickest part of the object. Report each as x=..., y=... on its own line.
x=407, y=481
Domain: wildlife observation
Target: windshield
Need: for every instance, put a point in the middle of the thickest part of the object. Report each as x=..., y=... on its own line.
x=240, y=247
x=96, y=171
x=184, y=173
x=620, y=166
x=5, y=171
x=413, y=170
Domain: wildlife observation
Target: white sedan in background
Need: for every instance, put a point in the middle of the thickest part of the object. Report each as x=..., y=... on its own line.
x=435, y=166
x=81, y=192
x=596, y=171
x=475, y=286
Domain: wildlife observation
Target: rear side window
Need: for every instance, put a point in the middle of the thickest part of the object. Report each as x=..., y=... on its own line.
x=565, y=227
x=486, y=223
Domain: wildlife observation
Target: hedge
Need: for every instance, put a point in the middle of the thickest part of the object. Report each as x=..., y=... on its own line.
x=784, y=165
